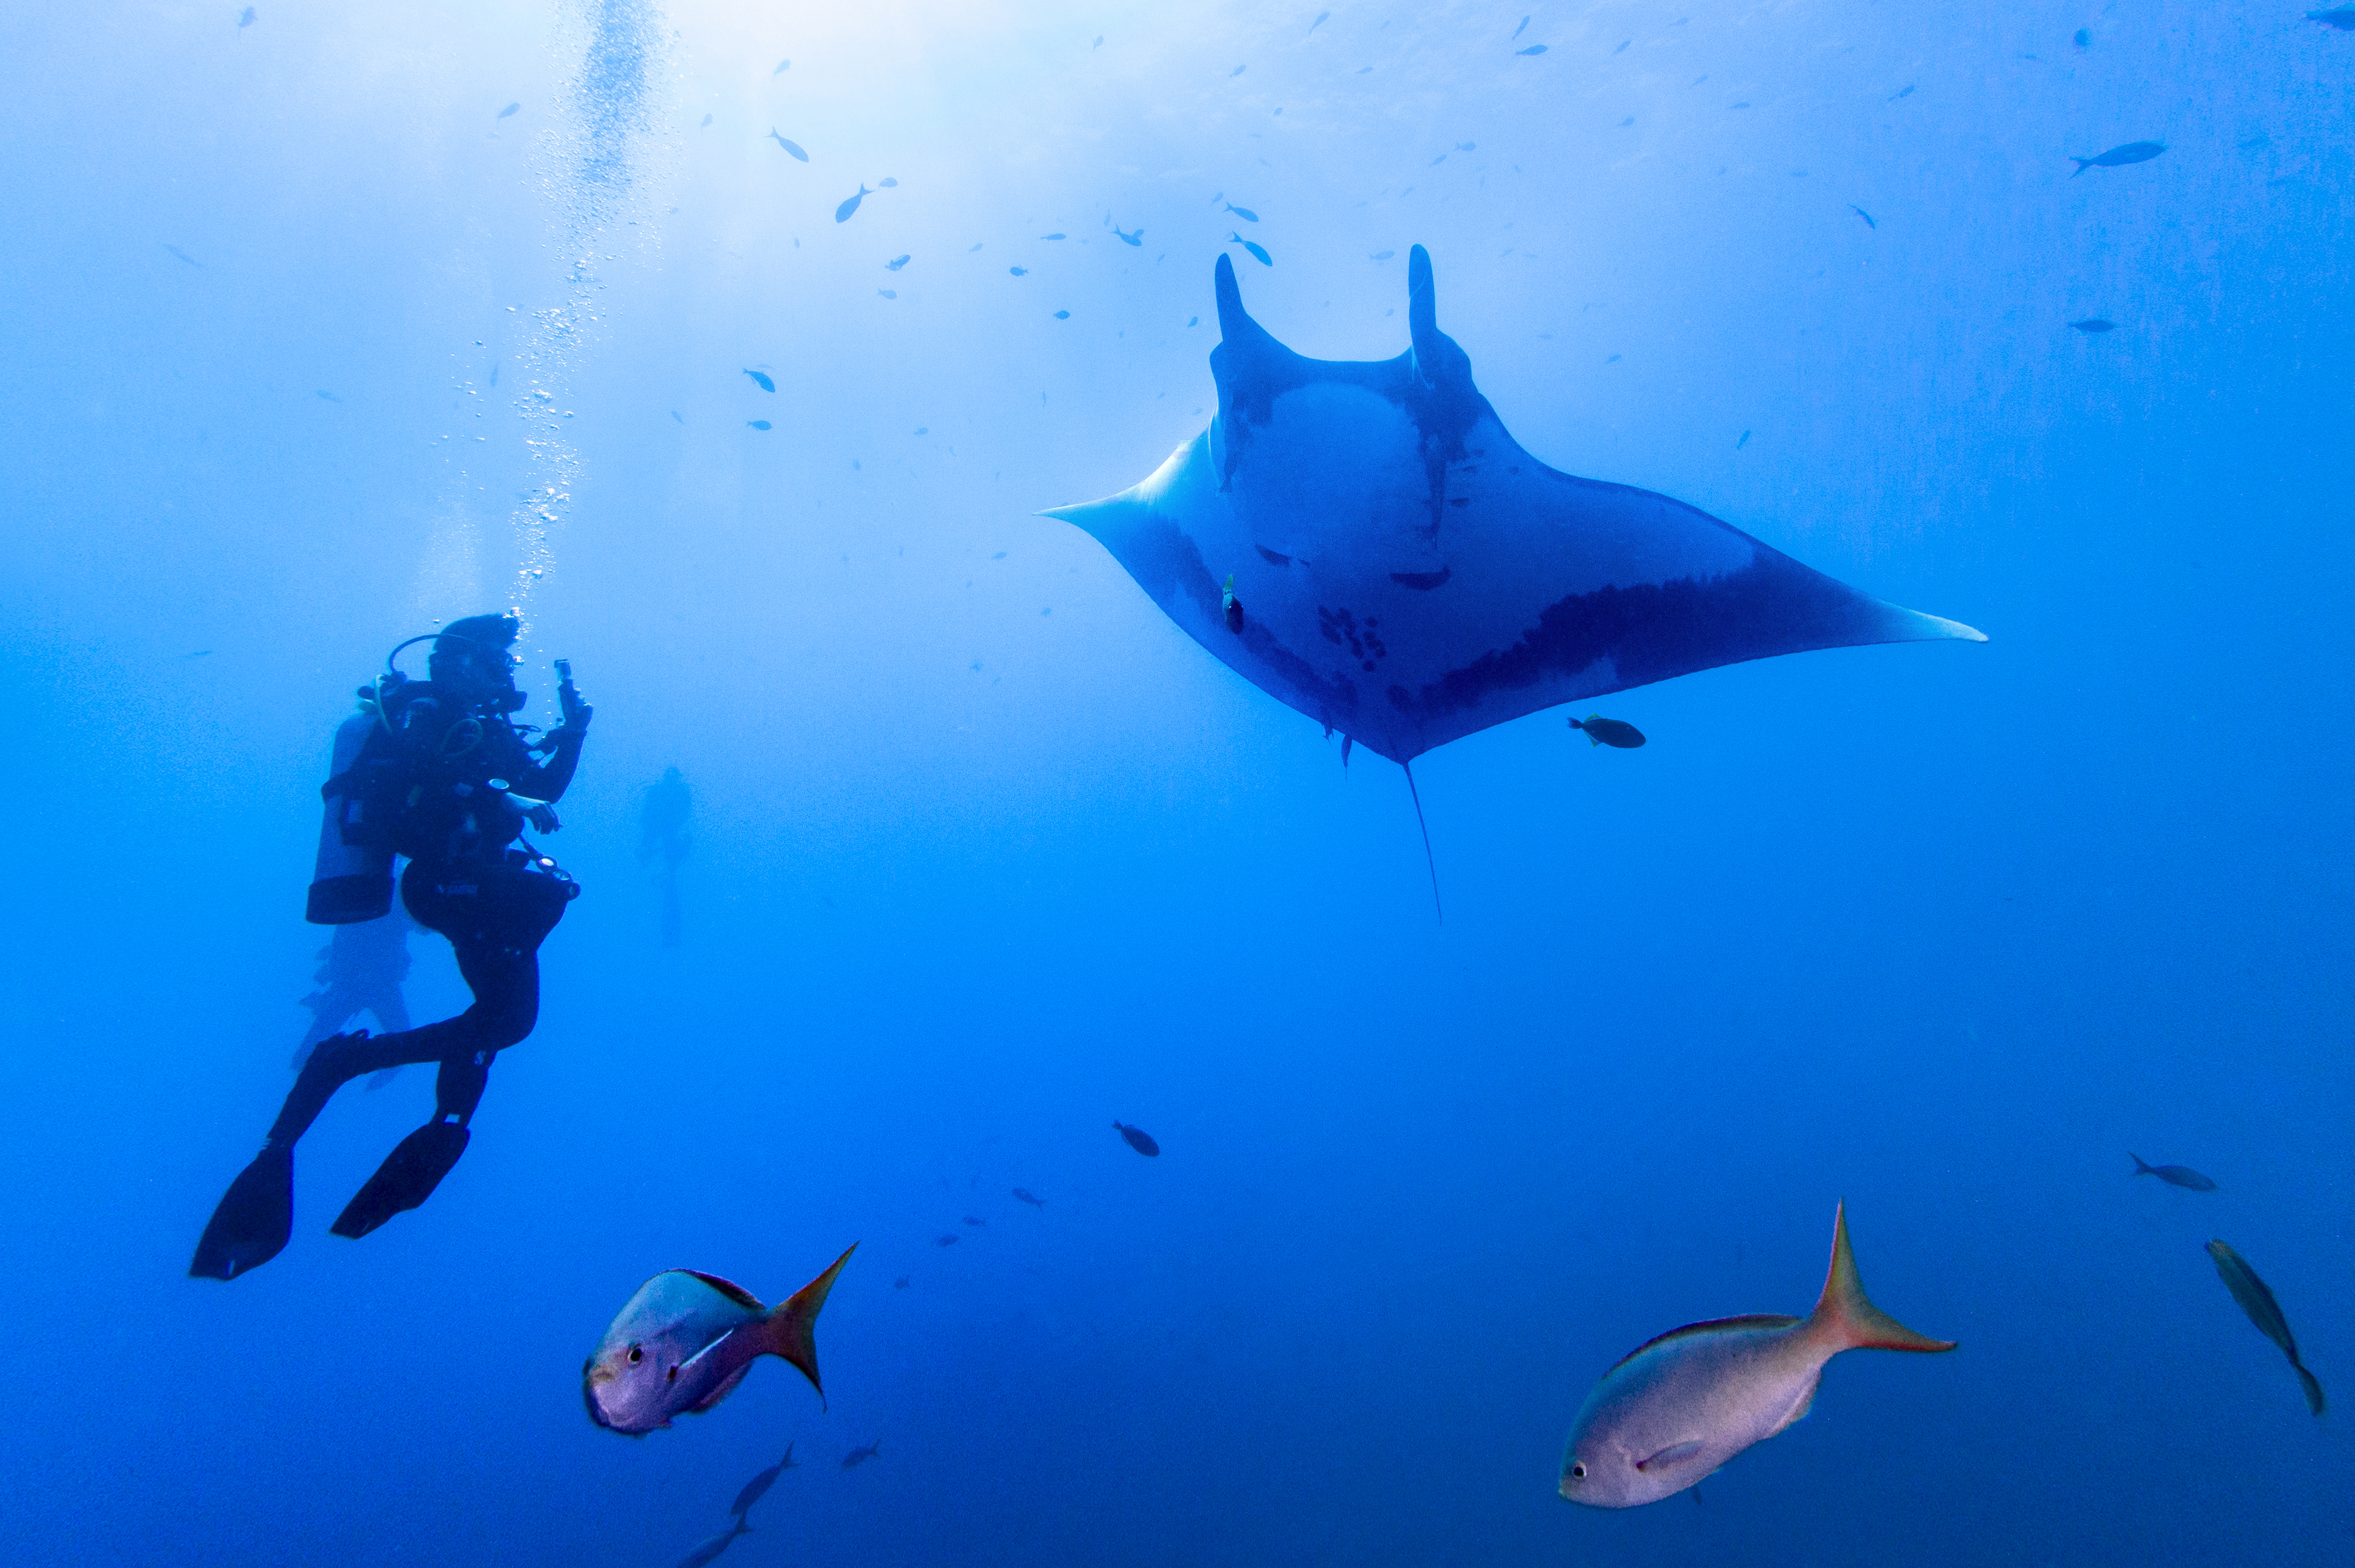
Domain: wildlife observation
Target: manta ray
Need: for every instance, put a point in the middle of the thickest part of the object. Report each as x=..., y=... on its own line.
x=1364, y=541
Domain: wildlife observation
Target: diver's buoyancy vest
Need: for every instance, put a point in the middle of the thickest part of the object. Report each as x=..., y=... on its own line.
x=409, y=779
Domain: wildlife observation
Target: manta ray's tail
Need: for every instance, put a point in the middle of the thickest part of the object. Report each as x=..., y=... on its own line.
x=1417, y=796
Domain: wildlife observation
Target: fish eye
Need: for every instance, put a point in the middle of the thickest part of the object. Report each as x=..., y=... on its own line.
x=671, y=1376
x=636, y=1355
x=1578, y=1472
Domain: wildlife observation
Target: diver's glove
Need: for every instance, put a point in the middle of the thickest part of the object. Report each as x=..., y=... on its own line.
x=576, y=713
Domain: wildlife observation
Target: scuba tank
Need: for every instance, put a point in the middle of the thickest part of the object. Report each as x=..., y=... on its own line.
x=352, y=879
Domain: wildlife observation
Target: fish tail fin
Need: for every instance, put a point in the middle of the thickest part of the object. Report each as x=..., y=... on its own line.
x=1844, y=1314
x=2083, y=164
x=2313, y=1390
x=1427, y=858
x=2140, y=1168
x=793, y=1323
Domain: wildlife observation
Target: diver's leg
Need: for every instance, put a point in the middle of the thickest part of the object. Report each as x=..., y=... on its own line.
x=499, y=957
x=254, y=1218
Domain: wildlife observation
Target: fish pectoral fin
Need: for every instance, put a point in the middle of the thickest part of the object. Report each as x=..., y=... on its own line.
x=1668, y=1458
x=727, y=1386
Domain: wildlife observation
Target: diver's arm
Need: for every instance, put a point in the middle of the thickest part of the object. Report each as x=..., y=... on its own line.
x=552, y=778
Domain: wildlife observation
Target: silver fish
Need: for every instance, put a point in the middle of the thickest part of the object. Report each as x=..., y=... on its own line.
x=686, y=1339
x=1675, y=1409
x=2264, y=1311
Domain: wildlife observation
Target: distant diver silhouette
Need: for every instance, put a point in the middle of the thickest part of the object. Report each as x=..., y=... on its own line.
x=662, y=829
x=436, y=772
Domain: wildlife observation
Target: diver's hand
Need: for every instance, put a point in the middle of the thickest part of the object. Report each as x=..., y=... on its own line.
x=542, y=817
x=576, y=713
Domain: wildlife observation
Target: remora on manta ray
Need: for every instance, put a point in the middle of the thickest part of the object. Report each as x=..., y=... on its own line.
x=1408, y=574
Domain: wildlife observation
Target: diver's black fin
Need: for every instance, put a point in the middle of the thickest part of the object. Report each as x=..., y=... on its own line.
x=1419, y=822
x=406, y=1179
x=255, y=1217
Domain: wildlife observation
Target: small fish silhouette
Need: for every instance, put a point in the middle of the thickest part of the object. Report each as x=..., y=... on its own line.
x=245, y=19
x=857, y=1456
x=1264, y=258
x=1533, y=49
x=975, y=1220
x=707, y=120
x=2182, y=1176
x=1467, y=146
x=894, y=265
x=887, y=185
x=795, y=148
x=1023, y=1195
x=184, y=256
x=1138, y=1139
x=1051, y=236
x=1860, y=212
x=330, y=397
x=1062, y=315
x=510, y=109
x=1382, y=255
x=782, y=67
x=1602, y=731
x=1128, y=239
x=1319, y=21
x=1742, y=442
x=1520, y=30
x=889, y=293
x=674, y=413
x=756, y=424
x=2093, y=325
x=2258, y=1302
x=1237, y=71
x=1905, y=91
x=1018, y=272
x=1623, y=47
x=1245, y=213
x=2339, y=16
x=758, y=1486
x=760, y=379
x=842, y=214
x=2083, y=38
x=944, y=1241
x=2118, y=157
x=900, y=1282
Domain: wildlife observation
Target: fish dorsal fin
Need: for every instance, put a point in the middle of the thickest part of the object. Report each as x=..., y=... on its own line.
x=1853, y=1322
x=728, y=1289
x=1754, y=1320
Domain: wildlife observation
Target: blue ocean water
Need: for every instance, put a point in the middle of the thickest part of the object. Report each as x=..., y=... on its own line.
x=310, y=348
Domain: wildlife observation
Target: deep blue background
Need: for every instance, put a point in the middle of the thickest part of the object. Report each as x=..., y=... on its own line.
x=1943, y=930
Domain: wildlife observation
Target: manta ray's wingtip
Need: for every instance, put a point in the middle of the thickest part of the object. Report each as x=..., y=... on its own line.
x=1954, y=629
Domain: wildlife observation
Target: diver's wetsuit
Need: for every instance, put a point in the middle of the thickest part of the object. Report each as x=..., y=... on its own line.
x=494, y=903
x=442, y=768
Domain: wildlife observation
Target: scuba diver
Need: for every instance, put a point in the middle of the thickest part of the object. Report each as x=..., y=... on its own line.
x=360, y=971
x=662, y=825
x=436, y=772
